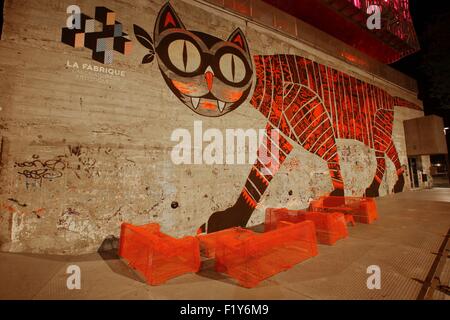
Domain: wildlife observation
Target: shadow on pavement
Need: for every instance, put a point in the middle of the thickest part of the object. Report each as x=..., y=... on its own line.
x=108, y=251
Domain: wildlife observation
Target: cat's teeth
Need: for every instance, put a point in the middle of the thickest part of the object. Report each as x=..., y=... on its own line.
x=195, y=102
x=221, y=105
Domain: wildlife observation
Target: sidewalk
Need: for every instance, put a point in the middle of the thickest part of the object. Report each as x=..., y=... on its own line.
x=403, y=242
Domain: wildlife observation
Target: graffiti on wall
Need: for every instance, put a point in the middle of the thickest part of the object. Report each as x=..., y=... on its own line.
x=311, y=104
x=39, y=169
x=77, y=160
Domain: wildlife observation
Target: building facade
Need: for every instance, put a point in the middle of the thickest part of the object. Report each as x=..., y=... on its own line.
x=96, y=103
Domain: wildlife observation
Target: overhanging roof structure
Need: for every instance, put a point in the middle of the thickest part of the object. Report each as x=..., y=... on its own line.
x=346, y=20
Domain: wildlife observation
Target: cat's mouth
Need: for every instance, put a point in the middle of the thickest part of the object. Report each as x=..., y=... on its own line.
x=209, y=104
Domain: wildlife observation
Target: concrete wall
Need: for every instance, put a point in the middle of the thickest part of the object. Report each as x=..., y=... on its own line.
x=100, y=145
x=425, y=135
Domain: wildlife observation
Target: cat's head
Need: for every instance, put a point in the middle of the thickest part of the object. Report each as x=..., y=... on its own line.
x=209, y=75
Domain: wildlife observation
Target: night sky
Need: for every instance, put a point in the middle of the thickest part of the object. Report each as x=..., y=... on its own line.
x=431, y=65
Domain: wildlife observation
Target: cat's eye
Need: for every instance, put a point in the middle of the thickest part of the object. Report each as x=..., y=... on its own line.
x=184, y=55
x=232, y=67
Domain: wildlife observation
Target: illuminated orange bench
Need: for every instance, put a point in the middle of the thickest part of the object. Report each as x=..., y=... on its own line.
x=363, y=210
x=208, y=242
x=157, y=256
x=252, y=257
x=330, y=226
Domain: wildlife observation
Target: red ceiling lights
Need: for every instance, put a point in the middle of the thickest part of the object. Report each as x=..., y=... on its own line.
x=347, y=21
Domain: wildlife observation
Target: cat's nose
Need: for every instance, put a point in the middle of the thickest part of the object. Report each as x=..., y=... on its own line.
x=209, y=76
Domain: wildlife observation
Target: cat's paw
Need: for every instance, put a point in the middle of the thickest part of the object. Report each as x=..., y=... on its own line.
x=372, y=190
x=235, y=216
x=202, y=229
x=398, y=187
x=221, y=220
x=335, y=202
x=337, y=193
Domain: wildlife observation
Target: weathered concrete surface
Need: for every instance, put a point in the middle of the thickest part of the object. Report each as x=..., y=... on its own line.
x=105, y=140
x=403, y=243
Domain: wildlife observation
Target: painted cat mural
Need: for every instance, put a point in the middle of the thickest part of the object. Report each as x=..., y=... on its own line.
x=311, y=104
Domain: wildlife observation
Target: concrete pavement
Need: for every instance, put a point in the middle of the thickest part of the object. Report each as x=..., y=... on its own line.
x=404, y=243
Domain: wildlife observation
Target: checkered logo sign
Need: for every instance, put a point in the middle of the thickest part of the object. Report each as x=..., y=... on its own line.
x=103, y=35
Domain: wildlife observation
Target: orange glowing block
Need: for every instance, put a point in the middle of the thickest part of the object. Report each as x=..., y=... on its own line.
x=156, y=256
x=330, y=226
x=363, y=210
x=258, y=256
x=208, y=242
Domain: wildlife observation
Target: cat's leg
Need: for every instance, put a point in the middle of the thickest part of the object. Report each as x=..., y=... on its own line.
x=392, y=154
x=382, y=137
x=332, y=158
x=271, y=155
x=315, y=133
x=328, y=151
x=372, y=190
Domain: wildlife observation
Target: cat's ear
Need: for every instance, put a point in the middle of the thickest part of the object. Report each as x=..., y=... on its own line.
x=238, y=38
x=167, y=19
